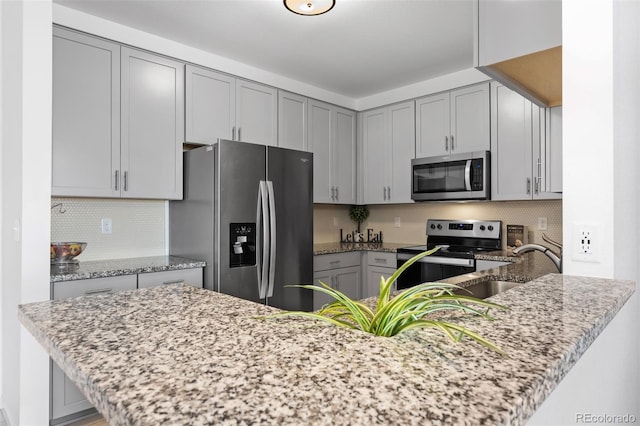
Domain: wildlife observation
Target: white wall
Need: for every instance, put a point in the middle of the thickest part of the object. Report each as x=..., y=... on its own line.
x=601, y=106
x=26, y=171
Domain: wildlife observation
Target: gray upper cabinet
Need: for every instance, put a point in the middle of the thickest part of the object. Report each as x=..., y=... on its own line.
x=388, y=141
x=221, y=106
x=118, y=120
x=292, y=121
x=332, y=139
x=256, y=113
x=210, y=105
x=152, y=125
x=86, y=115
x=524, y=163
x=453, y=122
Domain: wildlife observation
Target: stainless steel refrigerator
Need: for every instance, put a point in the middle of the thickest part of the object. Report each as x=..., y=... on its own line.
x=248, y=212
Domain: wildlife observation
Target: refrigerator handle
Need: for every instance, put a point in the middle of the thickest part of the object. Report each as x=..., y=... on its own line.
x=272, y=238
x=262, y=253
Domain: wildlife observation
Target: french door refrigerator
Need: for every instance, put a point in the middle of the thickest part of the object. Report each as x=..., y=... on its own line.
x=248, y=212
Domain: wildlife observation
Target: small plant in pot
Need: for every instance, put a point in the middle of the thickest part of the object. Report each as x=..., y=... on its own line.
x=409, y=309
x=358, y=214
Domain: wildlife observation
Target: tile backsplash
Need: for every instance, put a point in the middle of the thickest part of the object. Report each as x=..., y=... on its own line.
x=138, y=226
x=328, y=219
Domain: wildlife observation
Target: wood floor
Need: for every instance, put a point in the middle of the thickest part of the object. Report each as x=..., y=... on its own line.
x=96, y=420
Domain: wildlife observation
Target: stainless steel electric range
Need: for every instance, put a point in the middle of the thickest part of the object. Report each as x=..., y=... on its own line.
x=459, y=241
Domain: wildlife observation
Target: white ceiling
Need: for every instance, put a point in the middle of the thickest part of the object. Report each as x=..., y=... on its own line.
x=359, y=48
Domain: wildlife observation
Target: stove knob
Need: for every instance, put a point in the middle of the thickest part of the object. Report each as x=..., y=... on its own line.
x=490, y=227
x=482, y=227
x=439, y=226
x=433, y=226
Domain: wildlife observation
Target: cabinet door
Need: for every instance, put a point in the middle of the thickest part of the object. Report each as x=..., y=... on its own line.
x=376, y=156
x=511, y=170
x=347, y=281
x=86, y=115
x=191, y=276
x=256, y=113
x=372, y=287
x=152, y=125
x=402, y=140
x=292, y=121
x=320, y=133
x=470, y=119
x=66, y=398
x=320, y=299
x=344, y=146
x=210, y=102
x=432, y=125
x=550, y=153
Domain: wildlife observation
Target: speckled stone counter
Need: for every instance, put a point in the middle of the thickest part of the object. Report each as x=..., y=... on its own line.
x=327, y=248
x=115, y=267
x=185, y=356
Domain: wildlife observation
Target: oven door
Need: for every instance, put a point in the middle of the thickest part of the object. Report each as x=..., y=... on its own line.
x=432, y=269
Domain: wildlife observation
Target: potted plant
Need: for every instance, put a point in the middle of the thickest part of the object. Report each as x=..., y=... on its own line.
x=358, y=214
x=409, y=309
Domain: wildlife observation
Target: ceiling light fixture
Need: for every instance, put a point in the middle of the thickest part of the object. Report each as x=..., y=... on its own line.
x=309, y=7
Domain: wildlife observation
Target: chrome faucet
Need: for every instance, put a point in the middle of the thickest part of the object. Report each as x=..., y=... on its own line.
x=555, y=258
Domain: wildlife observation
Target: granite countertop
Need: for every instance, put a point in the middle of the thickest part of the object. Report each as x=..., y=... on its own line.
x=114, y=267
x=185, y=356
x=337, y=247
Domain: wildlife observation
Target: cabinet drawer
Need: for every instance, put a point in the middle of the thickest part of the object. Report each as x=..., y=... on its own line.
x=384, y=259
x=336, y=260
x=64, y=289
x=192, y=276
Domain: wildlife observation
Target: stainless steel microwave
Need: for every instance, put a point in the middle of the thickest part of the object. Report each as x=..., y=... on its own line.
x=465, y=176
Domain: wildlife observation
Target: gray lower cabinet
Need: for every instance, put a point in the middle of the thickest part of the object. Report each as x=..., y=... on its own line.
x=181, y=276
x=379, y=264
x=341, y=271
x=67, y=401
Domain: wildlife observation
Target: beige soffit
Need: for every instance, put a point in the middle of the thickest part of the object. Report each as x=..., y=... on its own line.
x=537, y=75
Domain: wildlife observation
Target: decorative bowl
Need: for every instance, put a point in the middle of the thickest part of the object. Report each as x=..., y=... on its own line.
x=66, y=251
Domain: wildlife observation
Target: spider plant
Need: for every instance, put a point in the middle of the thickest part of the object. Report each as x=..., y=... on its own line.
x=407, y=310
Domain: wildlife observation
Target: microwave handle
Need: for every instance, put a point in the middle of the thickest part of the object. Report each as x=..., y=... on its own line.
x=467, y=176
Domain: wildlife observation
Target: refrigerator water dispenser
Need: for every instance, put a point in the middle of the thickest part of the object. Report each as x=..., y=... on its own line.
x=242, y=244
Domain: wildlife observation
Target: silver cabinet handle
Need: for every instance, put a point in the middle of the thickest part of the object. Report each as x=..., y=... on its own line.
x=528, y=186
x=173, y=282
x=333, y=193
x=380, y=260
x=334, y=262
x=446, y=143
x=239, y=137
x=337, y=193
x=452, y=144
x=233, y=133
x=384, y=193
x=389, y=193
x=99, y=291
x=116, y=186
x=126, y=181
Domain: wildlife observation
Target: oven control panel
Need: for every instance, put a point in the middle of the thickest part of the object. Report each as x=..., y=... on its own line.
x=464, y=228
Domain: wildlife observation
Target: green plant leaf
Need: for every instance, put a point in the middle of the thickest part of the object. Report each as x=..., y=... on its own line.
x=408, y=309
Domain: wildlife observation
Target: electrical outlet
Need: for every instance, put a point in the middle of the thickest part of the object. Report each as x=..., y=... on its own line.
x=107, y=225
x=542, y=223
x=585, y=237
x=396, y=222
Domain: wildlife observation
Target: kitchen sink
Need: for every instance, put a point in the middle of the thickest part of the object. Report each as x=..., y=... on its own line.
x=485, y=289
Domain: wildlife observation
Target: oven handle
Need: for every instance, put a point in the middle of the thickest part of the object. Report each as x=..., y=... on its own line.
x=439, y=260
x=467, y=176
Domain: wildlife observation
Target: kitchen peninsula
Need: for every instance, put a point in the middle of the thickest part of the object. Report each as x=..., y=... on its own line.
x=182, y=355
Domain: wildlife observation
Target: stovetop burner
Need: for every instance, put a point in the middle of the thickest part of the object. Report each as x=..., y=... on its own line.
x=460, y=238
